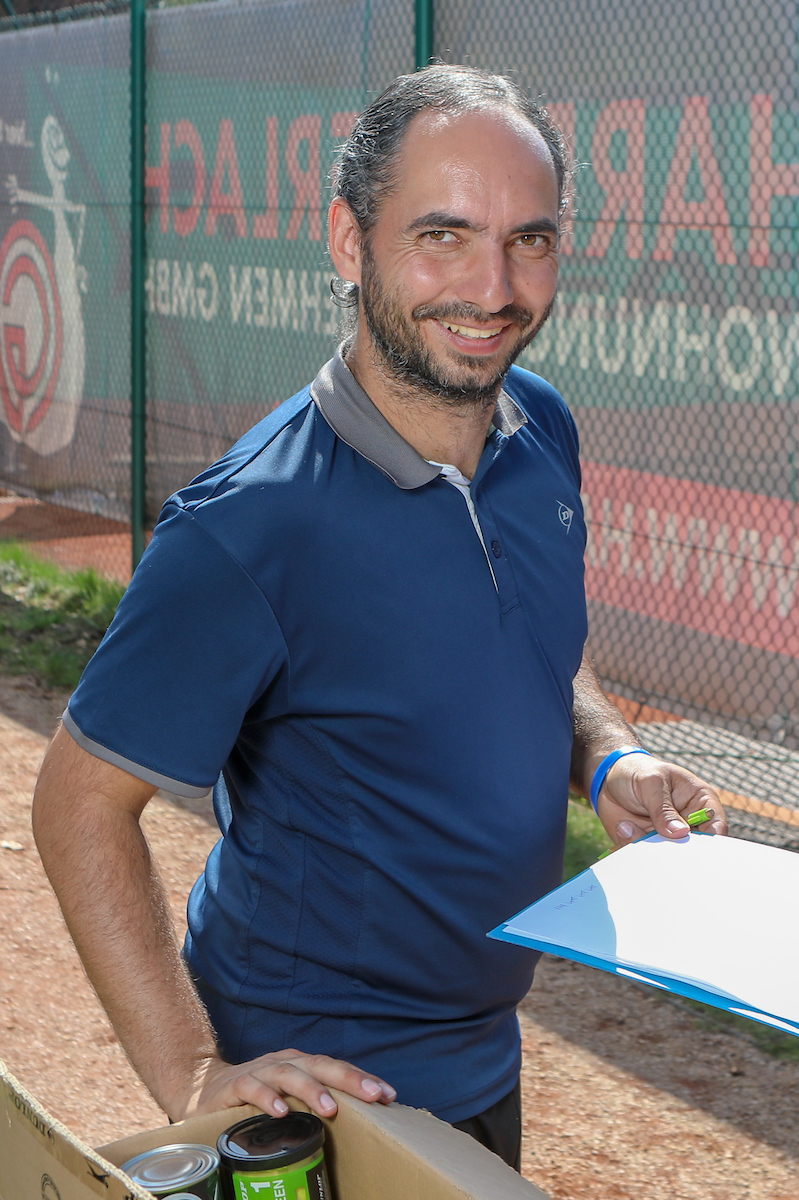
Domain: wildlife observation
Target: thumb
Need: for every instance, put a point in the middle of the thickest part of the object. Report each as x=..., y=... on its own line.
x=664, y=815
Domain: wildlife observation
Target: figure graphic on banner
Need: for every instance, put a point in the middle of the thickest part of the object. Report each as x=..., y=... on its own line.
x=42, y=335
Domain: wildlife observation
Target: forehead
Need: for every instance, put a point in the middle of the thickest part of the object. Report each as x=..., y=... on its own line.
x=492, y=162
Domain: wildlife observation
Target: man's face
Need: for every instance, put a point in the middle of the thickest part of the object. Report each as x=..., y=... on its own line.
x=459, y=271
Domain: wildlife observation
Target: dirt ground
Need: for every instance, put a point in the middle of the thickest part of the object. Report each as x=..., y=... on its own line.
x=625, y=1099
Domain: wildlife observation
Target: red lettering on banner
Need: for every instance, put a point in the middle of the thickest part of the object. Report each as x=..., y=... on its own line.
x=220, y=201
x=341, y=124
x=186, y=219
x=720, y=561
x=158, y=177
x=563, y=113
x=709, y=215
x=622, y=188
x=306, y=183
x=265, y=225
x=766, y=178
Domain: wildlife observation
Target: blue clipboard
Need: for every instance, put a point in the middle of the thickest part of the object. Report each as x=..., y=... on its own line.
x=612, y=917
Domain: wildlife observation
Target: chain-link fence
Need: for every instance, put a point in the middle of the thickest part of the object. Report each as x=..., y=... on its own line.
x=64, y=269
x=675, y=338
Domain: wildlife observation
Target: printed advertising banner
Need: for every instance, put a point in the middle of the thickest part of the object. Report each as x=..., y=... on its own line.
x=246, y=105
x=64, y=269
x=675, y=339
x=676, y=336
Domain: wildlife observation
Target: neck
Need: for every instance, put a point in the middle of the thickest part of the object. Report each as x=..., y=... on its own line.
x=439, y=430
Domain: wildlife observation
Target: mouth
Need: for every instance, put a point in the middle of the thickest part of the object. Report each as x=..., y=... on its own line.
x=469, y=331
x=472, y=339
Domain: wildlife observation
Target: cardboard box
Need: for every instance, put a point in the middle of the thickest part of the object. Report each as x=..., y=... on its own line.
x=373, y=1153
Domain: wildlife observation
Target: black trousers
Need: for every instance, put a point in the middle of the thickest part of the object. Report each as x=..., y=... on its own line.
x=499, y=1127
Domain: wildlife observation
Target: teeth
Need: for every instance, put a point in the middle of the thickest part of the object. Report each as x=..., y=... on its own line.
x=467, y=331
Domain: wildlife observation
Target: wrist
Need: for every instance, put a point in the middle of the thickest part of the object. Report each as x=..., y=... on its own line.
x=179, y=1093
x=605, y=766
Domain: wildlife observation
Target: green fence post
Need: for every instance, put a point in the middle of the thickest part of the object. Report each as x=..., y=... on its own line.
x=424, y=33
x=138, y=410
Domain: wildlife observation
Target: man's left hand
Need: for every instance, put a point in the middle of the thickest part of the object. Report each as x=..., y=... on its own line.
x=641, y=793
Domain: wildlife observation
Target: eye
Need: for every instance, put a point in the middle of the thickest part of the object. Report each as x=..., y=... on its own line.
x=535, y=241
x=441, y=236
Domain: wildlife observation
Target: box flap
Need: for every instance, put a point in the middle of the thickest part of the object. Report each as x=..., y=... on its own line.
x=41, y=1160
x=374, y=1152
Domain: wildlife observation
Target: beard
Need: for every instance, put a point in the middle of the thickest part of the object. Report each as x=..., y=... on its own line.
x=465, y=381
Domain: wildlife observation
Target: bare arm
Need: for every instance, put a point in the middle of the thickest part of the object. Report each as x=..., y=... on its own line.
x=640, y=793
x=86, y=824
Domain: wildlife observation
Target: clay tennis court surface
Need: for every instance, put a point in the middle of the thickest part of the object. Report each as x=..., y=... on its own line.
x=67, y=537
x=625, y=1099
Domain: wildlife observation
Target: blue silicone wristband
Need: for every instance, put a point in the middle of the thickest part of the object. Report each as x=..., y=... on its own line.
x=600, y=774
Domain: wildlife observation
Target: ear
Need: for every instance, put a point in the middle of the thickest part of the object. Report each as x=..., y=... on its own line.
x=344, y=241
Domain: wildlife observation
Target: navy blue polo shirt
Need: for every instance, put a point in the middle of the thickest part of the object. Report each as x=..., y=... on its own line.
x=385, y=700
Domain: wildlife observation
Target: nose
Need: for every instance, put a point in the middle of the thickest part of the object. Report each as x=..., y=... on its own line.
x=487, y=282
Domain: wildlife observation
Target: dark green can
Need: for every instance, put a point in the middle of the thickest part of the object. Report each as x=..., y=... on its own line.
x=274, y=1158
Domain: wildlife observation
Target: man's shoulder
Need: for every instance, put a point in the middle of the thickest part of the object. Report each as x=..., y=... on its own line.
x=533, y=394
x=543, y=406
x=275, y=450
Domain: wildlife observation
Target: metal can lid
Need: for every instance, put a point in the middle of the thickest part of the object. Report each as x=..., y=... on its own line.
x=265, y=1143
x=169, y=1167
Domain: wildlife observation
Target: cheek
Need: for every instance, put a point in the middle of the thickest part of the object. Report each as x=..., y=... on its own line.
x=421, y=279
x=540, y=282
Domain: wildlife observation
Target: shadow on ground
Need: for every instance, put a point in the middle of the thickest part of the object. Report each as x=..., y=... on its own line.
x=656, y=1039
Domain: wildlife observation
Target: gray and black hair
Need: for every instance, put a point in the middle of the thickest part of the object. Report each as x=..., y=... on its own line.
x=363, y=174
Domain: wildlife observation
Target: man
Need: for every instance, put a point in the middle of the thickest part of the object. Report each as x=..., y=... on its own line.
x=369, y=617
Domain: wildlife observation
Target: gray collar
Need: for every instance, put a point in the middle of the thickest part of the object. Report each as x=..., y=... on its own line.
x=357, y=421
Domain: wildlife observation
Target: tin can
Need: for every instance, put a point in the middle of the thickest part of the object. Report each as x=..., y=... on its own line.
x=184, y=1171
x=280, y=1158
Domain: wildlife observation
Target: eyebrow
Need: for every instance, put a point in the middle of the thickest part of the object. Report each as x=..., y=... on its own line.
x=444, y=220
x=440, y=220
x=542, y=226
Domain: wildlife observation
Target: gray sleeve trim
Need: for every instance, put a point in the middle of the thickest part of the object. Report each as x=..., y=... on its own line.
x=176, y=786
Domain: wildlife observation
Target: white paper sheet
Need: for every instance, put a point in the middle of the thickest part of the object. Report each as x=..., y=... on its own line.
x=713, y=912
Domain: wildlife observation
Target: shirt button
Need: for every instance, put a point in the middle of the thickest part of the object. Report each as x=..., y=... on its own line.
x=496, y=549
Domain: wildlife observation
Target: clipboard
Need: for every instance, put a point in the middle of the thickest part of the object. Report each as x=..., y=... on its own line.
x=712, y=918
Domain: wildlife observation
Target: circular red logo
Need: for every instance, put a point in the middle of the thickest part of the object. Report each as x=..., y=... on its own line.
x=30, y=327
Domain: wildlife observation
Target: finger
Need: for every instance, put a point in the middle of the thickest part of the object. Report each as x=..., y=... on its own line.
x=719, y=824
x=249, y=1089
x=716, y=823
x=656, y=794
x=254, y=1090
x=627, y=831
x=239, y=1086
x=613, y=815
x=336, y=1073
x=708, y=797
x=308, y=1078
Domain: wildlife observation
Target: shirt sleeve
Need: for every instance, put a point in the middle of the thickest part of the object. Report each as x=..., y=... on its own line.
x=193, y=646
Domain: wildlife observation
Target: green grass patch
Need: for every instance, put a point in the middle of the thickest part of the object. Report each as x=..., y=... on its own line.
x=585, y=837
x=51, y=620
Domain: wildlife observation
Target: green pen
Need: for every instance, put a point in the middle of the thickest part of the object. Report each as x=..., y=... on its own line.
x=700, y=816
x=695, y=818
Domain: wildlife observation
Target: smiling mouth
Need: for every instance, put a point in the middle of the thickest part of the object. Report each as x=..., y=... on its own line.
x=470, y=331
